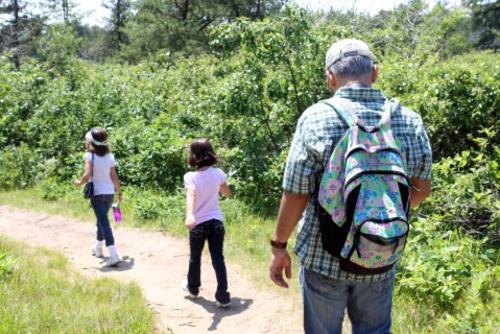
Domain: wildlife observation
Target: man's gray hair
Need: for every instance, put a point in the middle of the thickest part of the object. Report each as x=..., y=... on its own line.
x=352, y=67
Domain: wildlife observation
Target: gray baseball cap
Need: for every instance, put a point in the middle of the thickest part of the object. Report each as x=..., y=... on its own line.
x=347, y=48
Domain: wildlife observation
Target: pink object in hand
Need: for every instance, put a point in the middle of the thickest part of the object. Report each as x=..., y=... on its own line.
x=117, y=213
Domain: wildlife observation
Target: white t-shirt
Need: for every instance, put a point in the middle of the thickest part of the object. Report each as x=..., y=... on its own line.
x=101, y=174
x=206, y=185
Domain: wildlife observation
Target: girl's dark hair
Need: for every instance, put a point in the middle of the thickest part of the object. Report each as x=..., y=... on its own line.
x=201, y=153
x=100, y=134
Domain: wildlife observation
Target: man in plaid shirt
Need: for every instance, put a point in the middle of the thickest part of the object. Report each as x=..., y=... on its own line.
x=327, y=290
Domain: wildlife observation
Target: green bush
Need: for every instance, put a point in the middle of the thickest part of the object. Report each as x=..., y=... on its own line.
x=451, y=260
x=18, y=166
x=441, y=263
x=456, y=100
x=52, y=189
x=452, y=278
x=246, y=97
x=151, y=205
x=466, y=192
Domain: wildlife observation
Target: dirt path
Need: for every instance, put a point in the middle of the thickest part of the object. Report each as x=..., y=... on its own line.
x=158, y=263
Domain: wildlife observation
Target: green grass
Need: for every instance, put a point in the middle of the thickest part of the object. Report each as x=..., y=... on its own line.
x=40, y=293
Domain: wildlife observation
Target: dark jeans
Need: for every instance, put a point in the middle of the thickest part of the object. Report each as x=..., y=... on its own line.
x=101, y=205
x=213, y=231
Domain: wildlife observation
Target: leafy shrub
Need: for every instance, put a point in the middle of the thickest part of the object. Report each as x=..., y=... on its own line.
x=18, y=167
x=440, y=264
x=457, y=101
x=477, y=311
x=149, y=205
x=57, y=47
x=452, y=280
x=53, y=189
x=466, y=191
x=451, y=260
x=455, y=277
x=246, y=97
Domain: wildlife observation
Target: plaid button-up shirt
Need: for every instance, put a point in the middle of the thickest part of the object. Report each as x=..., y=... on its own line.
x=318, y=130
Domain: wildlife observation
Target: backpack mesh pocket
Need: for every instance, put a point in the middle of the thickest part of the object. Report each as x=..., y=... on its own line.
x=379, y=244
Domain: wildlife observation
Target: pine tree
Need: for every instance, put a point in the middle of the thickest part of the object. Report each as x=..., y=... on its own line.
x=120, y=13
x=19, y=30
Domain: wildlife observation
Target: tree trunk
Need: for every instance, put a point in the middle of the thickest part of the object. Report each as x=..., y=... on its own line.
x=257, y=10
x=65, y=8
x=15, y=34
x=183, y=8
x=235, y=9
x=118, y=23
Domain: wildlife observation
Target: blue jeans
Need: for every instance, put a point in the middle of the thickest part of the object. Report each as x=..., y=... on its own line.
x=101, y=205
x=325, y=299
x=213, y=231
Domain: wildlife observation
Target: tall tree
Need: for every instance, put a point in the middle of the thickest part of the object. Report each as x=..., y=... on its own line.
x=60, y=9
x=65, y=10
x=182, y=25
x=486, y=20
x=120, y=13
x=253, y=9
x=94, y=42
x=13, y=32
x=19, y=29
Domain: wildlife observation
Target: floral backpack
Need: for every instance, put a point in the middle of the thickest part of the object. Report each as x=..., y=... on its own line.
x=364, y=195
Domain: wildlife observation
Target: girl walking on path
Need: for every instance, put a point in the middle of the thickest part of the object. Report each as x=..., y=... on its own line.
x=204, y=218
x=100, y=169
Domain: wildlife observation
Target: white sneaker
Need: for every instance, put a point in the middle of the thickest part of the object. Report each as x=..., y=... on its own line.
x=184, y=286
x=96, y=251
x=222, y=305
x=113, y=261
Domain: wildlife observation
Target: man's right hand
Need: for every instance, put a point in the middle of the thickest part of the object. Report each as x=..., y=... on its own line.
x=280, y=260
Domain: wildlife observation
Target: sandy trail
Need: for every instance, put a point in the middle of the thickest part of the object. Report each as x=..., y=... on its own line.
x=158, y=263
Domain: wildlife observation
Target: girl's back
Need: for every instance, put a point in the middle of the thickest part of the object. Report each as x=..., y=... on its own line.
x=101, y=172
x=206, y=184
x=204, y=218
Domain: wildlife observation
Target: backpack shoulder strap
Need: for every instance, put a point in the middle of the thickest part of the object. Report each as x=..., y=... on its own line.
x=389, y=107
x=92, y=168
x=385, y=121
x=344, y=109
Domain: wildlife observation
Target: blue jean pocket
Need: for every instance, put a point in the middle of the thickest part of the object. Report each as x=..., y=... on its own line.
x=381, y=286
x=321, y=284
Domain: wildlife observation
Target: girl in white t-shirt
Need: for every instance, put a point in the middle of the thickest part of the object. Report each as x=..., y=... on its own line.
x=100, y=169
x=204, y=218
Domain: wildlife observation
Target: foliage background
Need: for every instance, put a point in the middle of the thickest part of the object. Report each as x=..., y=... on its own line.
x=243, y=84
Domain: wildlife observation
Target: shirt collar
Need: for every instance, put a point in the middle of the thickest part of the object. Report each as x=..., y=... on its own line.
x=360, y=93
